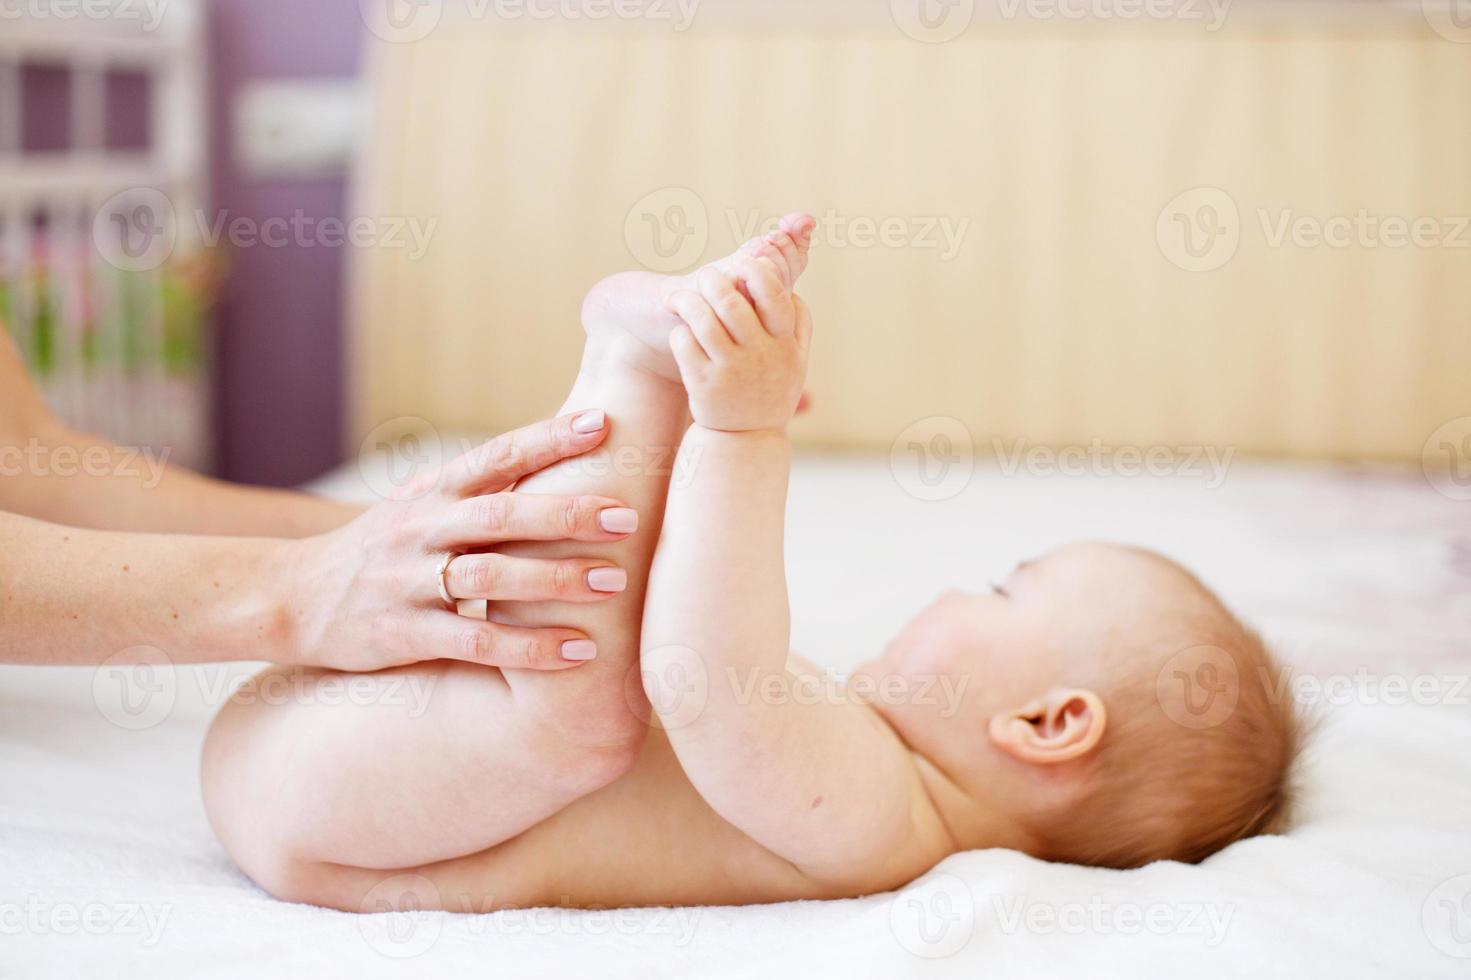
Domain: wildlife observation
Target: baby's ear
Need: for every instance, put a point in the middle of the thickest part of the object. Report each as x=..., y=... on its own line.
x=1060, y=726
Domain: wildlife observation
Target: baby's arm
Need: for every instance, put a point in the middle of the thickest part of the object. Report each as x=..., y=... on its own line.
x=823, y=785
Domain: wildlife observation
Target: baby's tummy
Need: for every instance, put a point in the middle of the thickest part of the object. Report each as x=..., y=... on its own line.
x=648, y=839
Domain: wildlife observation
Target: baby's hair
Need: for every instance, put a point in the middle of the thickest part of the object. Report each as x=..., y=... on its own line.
x=1166, y=790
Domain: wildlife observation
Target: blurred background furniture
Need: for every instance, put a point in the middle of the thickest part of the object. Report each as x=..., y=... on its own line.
x=264, y=362
x=1043, y=233
x=102, y=166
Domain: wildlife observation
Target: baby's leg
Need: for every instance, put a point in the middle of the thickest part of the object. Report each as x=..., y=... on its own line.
x=628, y=371
x=313, y=771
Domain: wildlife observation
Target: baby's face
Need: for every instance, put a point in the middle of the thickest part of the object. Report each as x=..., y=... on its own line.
x=1051, y=624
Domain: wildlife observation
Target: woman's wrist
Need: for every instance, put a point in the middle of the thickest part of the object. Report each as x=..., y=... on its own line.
x=260, y=622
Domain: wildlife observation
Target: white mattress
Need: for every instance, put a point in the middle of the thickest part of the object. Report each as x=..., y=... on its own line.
x=108, y=868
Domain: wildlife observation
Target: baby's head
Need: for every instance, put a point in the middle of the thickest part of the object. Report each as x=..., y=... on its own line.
x=1113, y=711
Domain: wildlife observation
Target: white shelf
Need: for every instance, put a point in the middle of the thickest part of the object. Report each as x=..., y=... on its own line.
x=63, y=179
x=130, y=39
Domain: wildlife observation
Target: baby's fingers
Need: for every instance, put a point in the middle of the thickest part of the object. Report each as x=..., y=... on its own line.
x=733, y=308
x=703, y=322
x=688, y=353
x=769, y=294
x=804, y=324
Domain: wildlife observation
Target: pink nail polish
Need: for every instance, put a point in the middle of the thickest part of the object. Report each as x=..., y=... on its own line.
x=619, y=520
x=579, y=651
x=607, y=580
x=589, y=422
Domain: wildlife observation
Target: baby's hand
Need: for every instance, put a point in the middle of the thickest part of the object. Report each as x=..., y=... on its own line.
x=744, y=360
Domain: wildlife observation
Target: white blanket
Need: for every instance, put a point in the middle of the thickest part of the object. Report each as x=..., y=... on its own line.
x=108, y=867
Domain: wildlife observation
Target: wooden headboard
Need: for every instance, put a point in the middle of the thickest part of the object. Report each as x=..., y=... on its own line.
x=1253, y=237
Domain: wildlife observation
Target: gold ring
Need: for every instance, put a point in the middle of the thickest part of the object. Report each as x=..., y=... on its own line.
x=449, y=600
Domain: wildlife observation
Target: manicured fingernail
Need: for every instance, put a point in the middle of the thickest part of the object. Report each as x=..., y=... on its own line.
x=619, y=520
x=579, y=651
x=589, y=422
x=607, y=580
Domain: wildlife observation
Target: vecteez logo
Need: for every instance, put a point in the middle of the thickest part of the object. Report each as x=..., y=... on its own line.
x=933, y=21
x=1199, y=230
x=401, y=21
x=668, y=231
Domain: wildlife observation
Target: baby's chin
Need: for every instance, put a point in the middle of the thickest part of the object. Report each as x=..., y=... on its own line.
x=870, y=679
x=884, y=673
x=868, y=669
x=888, y=664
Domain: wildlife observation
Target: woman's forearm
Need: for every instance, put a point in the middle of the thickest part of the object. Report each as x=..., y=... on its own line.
x=75, y=596
x=65, y=477
x=54, y=474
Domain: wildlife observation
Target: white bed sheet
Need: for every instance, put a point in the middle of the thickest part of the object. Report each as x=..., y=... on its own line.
x=108, y=868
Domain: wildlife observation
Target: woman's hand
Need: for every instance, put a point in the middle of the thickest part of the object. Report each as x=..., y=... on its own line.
x=367, y=597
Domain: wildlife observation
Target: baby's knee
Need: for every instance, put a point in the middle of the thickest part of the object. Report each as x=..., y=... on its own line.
x=592, y=742
x=592, y=753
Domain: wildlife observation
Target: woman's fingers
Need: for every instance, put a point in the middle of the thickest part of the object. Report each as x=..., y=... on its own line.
x=501, y=462
x=454, y=637
x=504, y=517
x=503, y=579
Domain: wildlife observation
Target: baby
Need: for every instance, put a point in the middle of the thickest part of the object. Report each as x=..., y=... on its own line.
x=1111, y=711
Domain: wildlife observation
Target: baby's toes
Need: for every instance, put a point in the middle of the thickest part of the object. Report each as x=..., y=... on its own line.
x=754, y=249
x=782, y=250
x=799, y=227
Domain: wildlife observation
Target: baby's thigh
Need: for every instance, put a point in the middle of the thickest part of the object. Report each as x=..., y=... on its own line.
x=399, y=769
x=499, y=877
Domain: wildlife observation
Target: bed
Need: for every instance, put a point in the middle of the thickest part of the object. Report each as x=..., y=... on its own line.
x=1361, y=578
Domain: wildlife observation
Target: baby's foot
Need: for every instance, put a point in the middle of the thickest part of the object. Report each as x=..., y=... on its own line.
x=626, y=313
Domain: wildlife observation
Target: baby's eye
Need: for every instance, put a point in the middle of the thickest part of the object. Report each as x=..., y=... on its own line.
x=1000, y=591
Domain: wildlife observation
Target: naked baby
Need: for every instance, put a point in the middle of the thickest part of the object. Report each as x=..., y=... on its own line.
x=668, y=769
